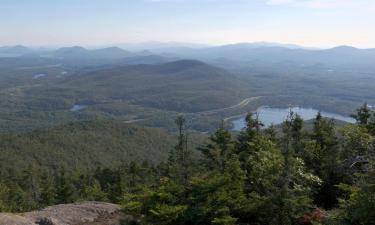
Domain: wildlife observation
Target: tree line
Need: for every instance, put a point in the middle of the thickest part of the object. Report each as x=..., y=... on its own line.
x=262, y=176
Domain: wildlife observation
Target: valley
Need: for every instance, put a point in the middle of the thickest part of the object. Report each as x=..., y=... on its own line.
x=187, y=112
x=112, y=125
x=129, y=86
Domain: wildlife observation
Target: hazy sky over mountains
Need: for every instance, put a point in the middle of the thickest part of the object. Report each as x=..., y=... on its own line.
x=318, y=23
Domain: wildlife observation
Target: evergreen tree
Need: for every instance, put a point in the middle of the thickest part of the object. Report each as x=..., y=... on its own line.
x=359, y=208
x=219, y=149
x=271, y=133
x=110, y=183
x=4, y=192
x=180, y=158
x=366, y=118
x=252, y=128
x=64, y=189
x=30, y=185
x=362, y=115
x=355, y=142
x=93, y=192
x=245, y=140
x=48, y=191
x=293, y=198
x=326, y=161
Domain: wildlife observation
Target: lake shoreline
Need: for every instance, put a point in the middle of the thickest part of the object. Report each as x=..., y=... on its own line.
x=274, y=116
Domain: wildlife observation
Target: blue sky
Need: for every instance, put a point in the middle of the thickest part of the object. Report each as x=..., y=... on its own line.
x=316, y=23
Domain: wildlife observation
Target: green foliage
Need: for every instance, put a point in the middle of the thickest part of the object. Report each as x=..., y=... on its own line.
x=257, y=177
x=83, y=146
x=325, y=152
x=366, y=118
x=241, y=183
x=148, y=94
x=355, y=141
x=362, y=115
x=359, y=207
x=64, y=189
x=4, y=190
x=219, y=149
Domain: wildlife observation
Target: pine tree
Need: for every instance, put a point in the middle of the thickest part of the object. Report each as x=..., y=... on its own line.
x=359, y=208
x=220, y=147
x=48, y=191
x=181, y=155
x=245, y=140
x=326, y=161
x=64, y=189
x=366, y=118
x=362, y=115
x=293, y=199
x=4, y=192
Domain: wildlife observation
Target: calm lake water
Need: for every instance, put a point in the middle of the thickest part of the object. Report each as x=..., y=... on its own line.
x=77, y=108
x=276, y=116
x=37, y=76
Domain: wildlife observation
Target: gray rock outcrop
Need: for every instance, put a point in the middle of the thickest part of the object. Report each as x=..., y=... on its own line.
x=65, y=214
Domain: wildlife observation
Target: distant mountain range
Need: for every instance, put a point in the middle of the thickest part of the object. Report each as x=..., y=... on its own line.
x=17, y=50
x=80, y=52
x=243, y=52
x=152, y=45
x=270, y=54
x=40, y=86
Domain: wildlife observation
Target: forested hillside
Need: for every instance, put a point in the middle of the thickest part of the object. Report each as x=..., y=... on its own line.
x=187, y=112
x=135, y=92
x=150, y=87
x=183, y=86
x=322, y=175
x=83, y=146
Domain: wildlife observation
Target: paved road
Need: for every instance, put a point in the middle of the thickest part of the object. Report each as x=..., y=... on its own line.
x=39, y=67
x=134, y=121
x=241, y=104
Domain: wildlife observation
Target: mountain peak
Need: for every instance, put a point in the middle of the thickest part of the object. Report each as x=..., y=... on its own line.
x=73, y=48
x=344, y=47
x=262, y=44
x=186, y=63
x=114, y=48
x=17, y=49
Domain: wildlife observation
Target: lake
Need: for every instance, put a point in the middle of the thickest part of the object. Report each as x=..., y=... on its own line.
x=37, y=76
x=275, y=116
x=77, y=108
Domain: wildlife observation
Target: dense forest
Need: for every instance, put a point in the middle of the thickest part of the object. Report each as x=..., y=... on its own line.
x=83, y=146
x=40, y=90
x=260, y=176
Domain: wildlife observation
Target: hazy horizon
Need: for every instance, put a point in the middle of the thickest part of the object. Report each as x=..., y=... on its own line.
x=149, y=45
x=310, y=23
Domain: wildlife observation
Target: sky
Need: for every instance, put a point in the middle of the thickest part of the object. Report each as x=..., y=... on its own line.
x=312, y=23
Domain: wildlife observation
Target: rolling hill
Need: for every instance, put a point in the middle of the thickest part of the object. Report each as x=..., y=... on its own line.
x=77, y=52
x=182, y=86
x=39, y=91
x=153, y=93
x=344, y=56
x=12, y=51
x=84, y=145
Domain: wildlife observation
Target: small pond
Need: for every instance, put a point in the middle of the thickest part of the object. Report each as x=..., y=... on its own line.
x=77, y=108
x=37, y=76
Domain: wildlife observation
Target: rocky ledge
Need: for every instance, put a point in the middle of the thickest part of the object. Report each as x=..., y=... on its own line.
x=85, y=213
